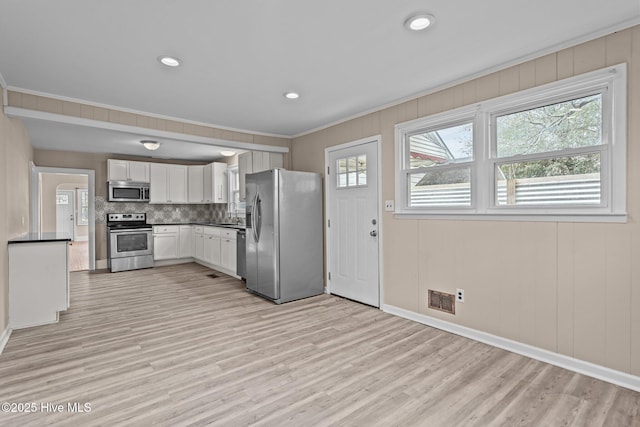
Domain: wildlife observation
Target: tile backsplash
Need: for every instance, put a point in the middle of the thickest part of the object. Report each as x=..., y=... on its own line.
x=162, y=214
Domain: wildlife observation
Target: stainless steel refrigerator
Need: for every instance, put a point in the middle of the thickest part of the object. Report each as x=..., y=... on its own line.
x=284, y=234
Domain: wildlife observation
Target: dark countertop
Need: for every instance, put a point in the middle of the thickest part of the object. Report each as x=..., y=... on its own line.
x=41, y=237
x=208, y=224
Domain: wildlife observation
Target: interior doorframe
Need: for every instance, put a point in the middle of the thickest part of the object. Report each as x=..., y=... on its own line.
x=91, y=187
x=72, y=193
x=377, y=139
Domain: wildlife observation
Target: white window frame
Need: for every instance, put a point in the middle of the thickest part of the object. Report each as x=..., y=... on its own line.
x=610, y=81
x=234, y=208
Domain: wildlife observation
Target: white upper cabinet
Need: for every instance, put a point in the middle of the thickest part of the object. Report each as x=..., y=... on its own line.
x=168, y=183
x=196, y=184
x=215, y=183
x=125, y=170
x=256, y=161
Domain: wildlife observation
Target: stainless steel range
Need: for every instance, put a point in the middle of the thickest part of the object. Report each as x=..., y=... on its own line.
x=130, y=242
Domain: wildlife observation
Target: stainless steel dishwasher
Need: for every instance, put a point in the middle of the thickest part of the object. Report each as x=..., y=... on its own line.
x=241, y=259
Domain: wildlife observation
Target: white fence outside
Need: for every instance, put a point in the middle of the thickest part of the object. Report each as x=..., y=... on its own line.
x=557, y=190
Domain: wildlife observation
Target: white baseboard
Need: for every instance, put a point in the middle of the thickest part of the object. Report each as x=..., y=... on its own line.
x=622, y=379
x=4, y=338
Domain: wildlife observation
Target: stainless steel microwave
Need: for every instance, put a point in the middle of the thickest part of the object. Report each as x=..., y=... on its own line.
x=128, y=191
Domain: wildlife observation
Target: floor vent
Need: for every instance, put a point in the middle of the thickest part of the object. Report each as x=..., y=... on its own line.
x=443, y=302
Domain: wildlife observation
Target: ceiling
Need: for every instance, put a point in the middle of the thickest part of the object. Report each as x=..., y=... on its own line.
x=239, y=57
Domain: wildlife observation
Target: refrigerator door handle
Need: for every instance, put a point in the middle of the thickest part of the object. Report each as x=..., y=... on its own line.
x=253, y=217
x=259, y=209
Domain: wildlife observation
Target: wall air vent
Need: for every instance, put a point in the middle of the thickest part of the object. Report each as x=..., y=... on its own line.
x=443, y=302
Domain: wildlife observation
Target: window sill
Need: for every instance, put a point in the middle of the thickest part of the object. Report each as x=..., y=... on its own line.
x=528, y=217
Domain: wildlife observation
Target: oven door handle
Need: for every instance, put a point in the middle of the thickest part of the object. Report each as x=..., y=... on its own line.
x=137, y=231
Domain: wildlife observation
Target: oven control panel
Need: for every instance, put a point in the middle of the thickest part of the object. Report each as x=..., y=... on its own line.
x=117, y=217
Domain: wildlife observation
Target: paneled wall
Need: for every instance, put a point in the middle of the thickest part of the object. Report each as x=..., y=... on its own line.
x=571, y=288
x=15, y=155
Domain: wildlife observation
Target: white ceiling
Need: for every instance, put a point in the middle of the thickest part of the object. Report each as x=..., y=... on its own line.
x=344, y=57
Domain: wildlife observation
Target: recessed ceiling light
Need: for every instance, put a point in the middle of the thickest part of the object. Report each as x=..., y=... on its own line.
x=227, y=153
x=150, y=145
x=169, y=61
x=291, y=95
x=419, y=21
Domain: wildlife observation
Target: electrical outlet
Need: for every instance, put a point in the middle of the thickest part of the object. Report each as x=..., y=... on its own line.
x=460, y=295
x=388, y=206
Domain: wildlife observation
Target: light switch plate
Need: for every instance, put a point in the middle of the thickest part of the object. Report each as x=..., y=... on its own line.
x=388, y=205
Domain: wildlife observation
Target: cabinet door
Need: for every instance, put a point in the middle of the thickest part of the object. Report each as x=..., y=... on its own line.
x=184, y=248
x=159, y=191
x=228, y=254
x=196, y=184
x=199, y=246
x=261, y=161
x=165, y=246
x=139, y=171
x=219, y=183
x=118, y=170
x=209, y=248
x=216, y=256
x=245, y=166
x=276, y=160
x=177, y=184
x=208, y=183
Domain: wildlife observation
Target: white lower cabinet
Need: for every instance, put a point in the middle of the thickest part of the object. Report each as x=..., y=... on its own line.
x=215, y=247
x=166, y=242
x=228, y=245
x=185, y=242
x=172, y=242
x=212, y=245
x=198, y=243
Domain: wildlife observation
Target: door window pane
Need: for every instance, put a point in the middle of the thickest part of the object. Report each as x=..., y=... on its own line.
x=62, y=199
x=352, y=171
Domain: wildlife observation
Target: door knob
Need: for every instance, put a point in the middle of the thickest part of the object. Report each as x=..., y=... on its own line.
x=373, y=233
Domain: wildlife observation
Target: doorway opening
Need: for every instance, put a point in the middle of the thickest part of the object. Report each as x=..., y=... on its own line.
x=63, y=201
x=352, y=203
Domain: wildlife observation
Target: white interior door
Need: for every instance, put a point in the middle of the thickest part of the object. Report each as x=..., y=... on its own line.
x=352, y=208
x=65, y=208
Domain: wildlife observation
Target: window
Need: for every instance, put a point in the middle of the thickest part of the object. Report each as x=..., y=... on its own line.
x=553, y=152
x=235, y=207
x=352, y=171
x=440, y=162
x=82, y=218
x=62, y=199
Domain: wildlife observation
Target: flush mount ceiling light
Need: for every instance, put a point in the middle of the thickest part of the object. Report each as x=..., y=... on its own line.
x=150, y=145
x=169, y=61
x=419, y=21
x=291, y=95
x=227, y=153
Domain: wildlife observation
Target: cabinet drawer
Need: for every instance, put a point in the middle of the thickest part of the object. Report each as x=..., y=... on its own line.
x=212, y=231
x=228, y=234
x=165, y=229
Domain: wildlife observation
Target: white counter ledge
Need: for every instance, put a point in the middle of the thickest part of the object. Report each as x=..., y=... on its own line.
x=38, y=278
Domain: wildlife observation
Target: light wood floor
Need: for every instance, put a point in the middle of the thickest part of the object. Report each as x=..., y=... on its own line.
x=79, y=256
x=173, y=346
